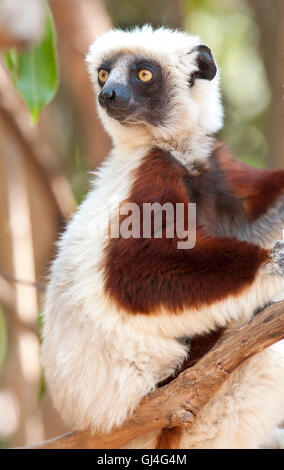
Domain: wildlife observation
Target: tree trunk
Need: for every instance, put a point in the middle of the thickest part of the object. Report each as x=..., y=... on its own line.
x=270, y=18
x=78, y=24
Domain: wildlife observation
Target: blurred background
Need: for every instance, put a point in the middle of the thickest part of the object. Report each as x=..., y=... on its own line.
x=45, y=166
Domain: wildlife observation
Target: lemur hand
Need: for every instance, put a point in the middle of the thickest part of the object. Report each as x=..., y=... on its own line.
x=276, y=263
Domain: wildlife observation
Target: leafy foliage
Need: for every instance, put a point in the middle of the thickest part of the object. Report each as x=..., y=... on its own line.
x=35, y=72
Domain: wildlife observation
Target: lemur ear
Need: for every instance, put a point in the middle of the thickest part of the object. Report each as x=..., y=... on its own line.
x=206, y=66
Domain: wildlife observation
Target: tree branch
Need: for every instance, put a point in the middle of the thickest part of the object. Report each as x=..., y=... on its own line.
x=15, y=117
x=178, y=403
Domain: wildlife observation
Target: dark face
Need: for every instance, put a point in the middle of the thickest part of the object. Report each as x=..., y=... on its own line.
x=133, y=90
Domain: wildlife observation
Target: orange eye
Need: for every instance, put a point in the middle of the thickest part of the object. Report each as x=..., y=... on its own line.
x=103, y=75
x=145, y=75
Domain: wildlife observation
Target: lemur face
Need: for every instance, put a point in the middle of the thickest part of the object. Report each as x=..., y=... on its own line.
x=164, y=81
x=133, y=89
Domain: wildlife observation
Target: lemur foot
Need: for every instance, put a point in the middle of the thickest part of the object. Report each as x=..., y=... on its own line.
x=276, y=263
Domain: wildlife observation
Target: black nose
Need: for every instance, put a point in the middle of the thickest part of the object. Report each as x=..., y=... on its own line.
x=114, y=96
x=107, y=96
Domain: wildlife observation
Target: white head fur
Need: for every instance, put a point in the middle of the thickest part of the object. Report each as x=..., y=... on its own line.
x=193, y=113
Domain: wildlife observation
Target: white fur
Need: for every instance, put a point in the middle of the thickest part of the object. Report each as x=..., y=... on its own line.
x=99, y=357
x=244, y=413
x=99, y=361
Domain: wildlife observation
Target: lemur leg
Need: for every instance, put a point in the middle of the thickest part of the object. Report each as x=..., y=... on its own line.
x=266, y=229
x=244, y=413
x=262, y=196
x=247, y=409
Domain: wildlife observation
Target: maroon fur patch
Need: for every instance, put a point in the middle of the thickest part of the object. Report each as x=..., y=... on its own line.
x=144, y=274
x=258, y=189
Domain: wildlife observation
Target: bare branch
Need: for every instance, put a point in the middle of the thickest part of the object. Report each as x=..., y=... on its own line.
x=23, y=282
x=15, y=117
x=177, y=403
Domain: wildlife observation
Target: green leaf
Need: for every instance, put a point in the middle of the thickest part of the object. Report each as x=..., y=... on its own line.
x=3, y=339
x=42, y=386
x=40, y=321
x=35, y=72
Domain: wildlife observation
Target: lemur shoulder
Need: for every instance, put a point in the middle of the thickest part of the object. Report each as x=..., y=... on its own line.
x=118, y=310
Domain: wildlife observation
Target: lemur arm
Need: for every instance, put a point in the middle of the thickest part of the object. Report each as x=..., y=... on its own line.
x=142, y=275
x=259, y=189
